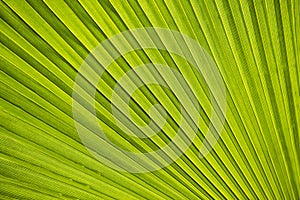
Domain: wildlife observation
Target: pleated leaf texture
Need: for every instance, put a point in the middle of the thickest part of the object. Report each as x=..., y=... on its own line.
x=59, y=57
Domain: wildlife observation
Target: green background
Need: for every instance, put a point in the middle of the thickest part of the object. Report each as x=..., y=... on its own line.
x=255, y=45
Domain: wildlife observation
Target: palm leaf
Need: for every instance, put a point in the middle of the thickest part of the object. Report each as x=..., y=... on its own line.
x=254, y=44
